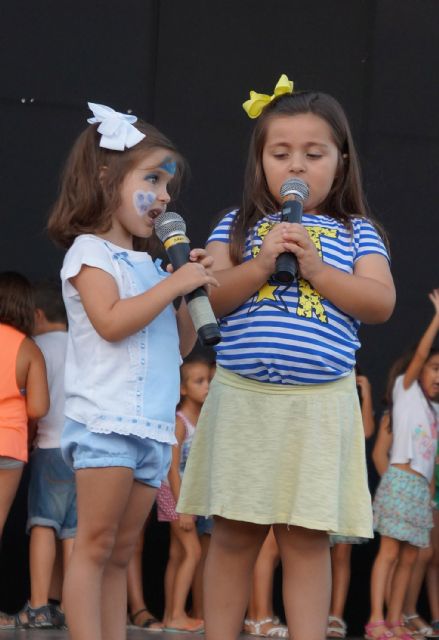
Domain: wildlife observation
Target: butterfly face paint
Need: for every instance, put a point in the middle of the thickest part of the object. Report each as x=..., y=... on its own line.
x=143, y=200
x=169, y=165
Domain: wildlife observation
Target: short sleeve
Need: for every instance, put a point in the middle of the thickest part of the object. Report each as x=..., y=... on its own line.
x=367, y=240
x=398, y=389
x=221, y=233
x=86, y=250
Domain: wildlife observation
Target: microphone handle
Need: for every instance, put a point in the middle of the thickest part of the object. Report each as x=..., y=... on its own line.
x=203, y=318
x=286, y=263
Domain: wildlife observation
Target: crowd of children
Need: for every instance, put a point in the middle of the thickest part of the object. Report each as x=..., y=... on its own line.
x=251, y=467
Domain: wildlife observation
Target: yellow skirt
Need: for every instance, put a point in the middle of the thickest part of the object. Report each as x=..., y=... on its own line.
x=268, y=454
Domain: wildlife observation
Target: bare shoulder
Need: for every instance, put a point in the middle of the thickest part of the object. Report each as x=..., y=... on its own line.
x=29, y=351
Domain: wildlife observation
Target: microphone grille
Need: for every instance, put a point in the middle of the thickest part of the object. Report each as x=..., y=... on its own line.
x=296, y=187
x=169, y=223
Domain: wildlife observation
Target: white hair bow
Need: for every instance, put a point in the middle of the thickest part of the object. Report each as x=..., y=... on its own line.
x=116, y=129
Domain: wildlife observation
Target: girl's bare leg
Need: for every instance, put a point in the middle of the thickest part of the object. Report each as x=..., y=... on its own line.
x=102, y=497
x=383, y=565
x=42, y=554
x=184, y=574
x=433, y=570
x=260, y=606
x=233, y=549
x=341, y=576
x=9, y=481
x=306, y=569
x=114, y=584
x=401, y=577
x=139, y=612
x=174, y=560
x=414, y=587
x=197, y=584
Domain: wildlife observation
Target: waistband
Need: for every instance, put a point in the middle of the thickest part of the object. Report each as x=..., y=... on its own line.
x=223, y=376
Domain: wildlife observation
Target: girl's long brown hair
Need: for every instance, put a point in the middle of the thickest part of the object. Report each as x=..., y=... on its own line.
x=89, y=195
x=345, y=199
x=17, y=307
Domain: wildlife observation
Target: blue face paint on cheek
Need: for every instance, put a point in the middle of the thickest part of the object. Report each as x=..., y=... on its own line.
x=169, y=165
x=143, y=200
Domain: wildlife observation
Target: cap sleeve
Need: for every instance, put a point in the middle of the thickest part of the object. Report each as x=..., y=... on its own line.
x=86, y=250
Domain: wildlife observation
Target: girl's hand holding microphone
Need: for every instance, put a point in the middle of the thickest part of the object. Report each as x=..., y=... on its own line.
x=296, y=240
x=195, y=273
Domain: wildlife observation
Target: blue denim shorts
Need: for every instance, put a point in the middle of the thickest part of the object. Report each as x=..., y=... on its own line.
x=82, y=449
x=52, y=493
x=10, y=463
x=204, y=525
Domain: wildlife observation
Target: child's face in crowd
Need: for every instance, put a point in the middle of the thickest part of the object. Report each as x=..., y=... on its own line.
x=195, y=385
x=429, y=377
x=300, y=146
x=144, y=195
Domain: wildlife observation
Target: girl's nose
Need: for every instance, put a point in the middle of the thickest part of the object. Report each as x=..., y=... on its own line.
x=297, y=164
x=164, y=196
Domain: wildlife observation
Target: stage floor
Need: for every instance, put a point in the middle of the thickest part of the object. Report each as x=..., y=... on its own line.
x=133, y=634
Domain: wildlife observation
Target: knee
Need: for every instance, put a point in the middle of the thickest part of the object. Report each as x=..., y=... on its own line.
x=122, y=553
x=408, y=556
x=98, y=545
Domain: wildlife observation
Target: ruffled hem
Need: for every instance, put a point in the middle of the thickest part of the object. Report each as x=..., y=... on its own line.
x=158, y=430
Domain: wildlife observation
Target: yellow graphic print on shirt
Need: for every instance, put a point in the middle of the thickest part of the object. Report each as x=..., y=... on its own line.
x=310, y=301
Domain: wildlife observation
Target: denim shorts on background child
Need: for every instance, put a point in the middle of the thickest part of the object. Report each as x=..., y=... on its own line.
x=52, y=493
x=83, y=449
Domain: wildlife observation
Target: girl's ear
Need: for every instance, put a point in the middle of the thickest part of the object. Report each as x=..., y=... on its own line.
x=182, y=390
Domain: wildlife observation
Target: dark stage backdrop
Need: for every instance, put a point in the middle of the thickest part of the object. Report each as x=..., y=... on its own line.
x=187, y=67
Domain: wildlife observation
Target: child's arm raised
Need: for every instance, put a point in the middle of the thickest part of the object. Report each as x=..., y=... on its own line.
x=115, y=318
x=423, y=349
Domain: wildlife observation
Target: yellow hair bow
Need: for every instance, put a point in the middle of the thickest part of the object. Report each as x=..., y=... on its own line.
x=258, y=101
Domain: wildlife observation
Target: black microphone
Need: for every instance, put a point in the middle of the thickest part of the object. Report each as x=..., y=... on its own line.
x=171, y=230
x=293, y=193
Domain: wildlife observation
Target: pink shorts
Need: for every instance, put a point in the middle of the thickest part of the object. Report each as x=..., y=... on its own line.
x=166, y=504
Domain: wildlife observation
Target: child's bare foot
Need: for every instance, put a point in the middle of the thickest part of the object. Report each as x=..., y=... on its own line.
x=184, y=623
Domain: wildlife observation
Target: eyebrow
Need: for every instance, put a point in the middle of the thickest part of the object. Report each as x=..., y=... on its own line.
x=308, y=144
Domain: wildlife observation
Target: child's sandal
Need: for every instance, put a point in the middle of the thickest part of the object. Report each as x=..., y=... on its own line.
x=336, y=627
x=276, y=631
x=368, y=631
x=421, y=627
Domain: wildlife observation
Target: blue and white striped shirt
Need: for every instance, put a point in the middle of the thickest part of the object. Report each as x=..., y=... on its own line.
x=289, y=334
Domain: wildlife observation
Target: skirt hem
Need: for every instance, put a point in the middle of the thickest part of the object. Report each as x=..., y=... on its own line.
x=289, y=520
